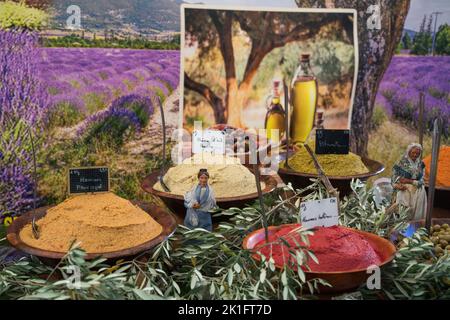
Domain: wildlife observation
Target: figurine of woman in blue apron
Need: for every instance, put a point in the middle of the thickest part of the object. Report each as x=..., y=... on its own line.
x=407, y=180
x=198, y=201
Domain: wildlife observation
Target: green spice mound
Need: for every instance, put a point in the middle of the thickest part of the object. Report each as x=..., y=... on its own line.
x=333, y=164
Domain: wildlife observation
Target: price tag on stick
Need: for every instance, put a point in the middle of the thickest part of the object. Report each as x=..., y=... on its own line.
x=319, y=213
x=332, y=141
x=88, y=180
x=208, y=141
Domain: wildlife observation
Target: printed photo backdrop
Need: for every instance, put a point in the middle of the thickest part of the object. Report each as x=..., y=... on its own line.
x=230, y=59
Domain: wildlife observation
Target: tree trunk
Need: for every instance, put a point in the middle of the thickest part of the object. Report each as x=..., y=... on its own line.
x=376, y=48
x=215, y=102
x=224, y=27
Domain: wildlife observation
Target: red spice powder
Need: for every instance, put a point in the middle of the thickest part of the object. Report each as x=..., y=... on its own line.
x=336, y=248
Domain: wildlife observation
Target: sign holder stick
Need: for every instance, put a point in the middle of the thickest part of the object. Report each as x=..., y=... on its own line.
x=286, y=121
x=421, y=109
x=33, y=150
x=261, y=201
x=437, y=130
x=163, y=166
x=322, y=176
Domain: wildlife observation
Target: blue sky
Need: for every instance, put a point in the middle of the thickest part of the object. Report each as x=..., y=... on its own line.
x=415, y=16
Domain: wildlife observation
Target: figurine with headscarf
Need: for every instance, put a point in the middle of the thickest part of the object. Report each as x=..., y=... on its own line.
x=198, y=202
x=408, y=183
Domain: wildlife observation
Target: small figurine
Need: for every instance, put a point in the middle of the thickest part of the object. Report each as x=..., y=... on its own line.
x=198, y=202
x=407, y=180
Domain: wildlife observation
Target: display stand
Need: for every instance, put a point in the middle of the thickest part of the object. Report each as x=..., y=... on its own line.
x=163, y=166
x=437, y=131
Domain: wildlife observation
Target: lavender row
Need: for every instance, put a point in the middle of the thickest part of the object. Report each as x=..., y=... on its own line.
x=406, y=78
x=23, y=108
x=76, y=76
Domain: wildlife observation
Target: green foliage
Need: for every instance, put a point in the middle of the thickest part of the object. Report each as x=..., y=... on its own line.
x=331, y=61
x=2, y=233
x=378, y=118
x=64, y=114
x=196, y=264
x=361, y=212
x=443, y=40
x=109, y=133
x=18, y=15
x=137, y=43
x=416, y=273
x=423, y=40
x=190, y=120
x=398, y=48
x=406, y=41
x=23, y=280
x=94, y=102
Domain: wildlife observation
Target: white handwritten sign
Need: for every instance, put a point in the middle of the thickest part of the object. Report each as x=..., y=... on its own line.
x=319, y=213
x=208, y=141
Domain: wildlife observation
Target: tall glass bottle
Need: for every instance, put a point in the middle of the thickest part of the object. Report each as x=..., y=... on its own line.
x=275, y=113
x=304, y=92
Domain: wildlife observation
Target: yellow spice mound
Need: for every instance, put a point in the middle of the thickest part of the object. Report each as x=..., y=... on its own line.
x=332, y=164
x=102, y=223
x=227, y=176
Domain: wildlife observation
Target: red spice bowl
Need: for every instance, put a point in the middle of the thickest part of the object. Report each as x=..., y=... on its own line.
x=340, y=281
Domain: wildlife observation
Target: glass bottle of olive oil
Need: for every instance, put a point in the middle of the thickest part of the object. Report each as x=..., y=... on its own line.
x=275, y=115
x=304, y=91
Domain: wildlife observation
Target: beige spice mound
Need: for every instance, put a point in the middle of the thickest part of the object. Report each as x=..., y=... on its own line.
x=227, y=176
x=101, y=222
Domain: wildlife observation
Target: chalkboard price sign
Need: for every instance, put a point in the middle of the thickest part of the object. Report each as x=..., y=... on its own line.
x=88, y=180
x=332, y=141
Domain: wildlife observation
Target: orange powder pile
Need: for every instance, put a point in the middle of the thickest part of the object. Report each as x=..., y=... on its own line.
x=443, y=174
x=101, y=222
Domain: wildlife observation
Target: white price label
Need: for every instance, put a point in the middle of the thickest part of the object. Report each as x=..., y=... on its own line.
x=319, y=213
x=208, y=141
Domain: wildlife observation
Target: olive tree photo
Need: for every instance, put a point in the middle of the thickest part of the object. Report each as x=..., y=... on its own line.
x=235, y=63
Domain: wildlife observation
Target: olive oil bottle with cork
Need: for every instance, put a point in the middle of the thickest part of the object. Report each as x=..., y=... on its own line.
x=275, y=116
x=304, y=94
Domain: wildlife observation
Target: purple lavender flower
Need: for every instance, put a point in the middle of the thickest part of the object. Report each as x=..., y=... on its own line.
x=406, y=77
x=142, y=107
x=23, y=108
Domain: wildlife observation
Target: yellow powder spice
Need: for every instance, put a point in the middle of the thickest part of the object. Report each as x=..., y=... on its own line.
x=332, y=164
x=101, y=222
x=227, y=176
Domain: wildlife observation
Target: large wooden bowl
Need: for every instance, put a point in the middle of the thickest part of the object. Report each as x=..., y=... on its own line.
x=342, y=281
x=342, y=183
x=163, y=217
x=176, y=202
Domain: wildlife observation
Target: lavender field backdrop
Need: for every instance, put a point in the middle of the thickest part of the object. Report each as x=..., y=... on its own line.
x=405, y=78
x=84, y=81
x=82, y=106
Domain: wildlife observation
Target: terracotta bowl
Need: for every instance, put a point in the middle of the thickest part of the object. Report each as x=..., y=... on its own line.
x=342, y=183
x=163, y=217
x=342, y=281
x=176, y=202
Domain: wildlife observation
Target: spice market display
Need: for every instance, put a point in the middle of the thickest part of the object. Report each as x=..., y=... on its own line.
x=337, y=249
x=234, y=160
x=228, y=177
x=332, y=164
x=443, y=174
x=101, y=223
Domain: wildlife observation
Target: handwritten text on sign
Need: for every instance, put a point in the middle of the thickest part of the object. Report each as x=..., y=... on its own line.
x=319, y=213
x=86, y=180
x=332, y=141
x=208, y=141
